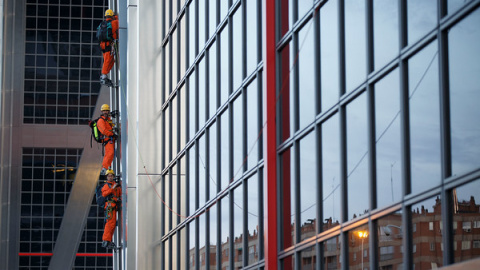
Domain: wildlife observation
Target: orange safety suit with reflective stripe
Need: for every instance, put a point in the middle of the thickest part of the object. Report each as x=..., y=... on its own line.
x=105, y=126
x=106, y=46
x=110, y=209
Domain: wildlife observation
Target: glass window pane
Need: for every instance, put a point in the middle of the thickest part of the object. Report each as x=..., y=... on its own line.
x=183, y=116
x=168, y=202
x=212, y=80
x=202, y=176
x=225, y=231
x=286, y=123
x=355, y=43
x=238, y=135
x=308, y=186
x=237, y=47
x=330, y=172
x=224, y=66
x=202, y=106
x=287, y=212
x=213, y=166
x=174, y=70
x=201, y=238
x=191, y=36
x=332, y=253
x=426, y=220
x=183, y=43
x=388, y=150
x=252, y=41
x=238, y=224
x=192, y=105
x=357, y=151
x=422, y=18
x=174, y=126
x=202, y=24
x=465, y=211
x=192, y=196
x=385, y=28
x=464, y=60
x=212, y=17
x=191, y=245
x=306, y=76
x=183, y=189
x=253, y=219
x=424, y=119
x=329, y=55
x=168, y=133
x=308, y=258
x=214, y=227
x=254, y=113
x=359, y=247
x=390, y=236
x=224, y=150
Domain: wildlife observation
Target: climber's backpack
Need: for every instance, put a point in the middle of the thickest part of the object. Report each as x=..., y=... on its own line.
x=98, y=196
x=104, y=31
x=96, y=134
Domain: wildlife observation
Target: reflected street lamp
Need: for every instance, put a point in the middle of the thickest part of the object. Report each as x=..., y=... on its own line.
x=362, y=235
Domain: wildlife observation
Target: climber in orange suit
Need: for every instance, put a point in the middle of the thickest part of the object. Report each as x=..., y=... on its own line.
x=105, y=126
x=106, y=46
x=113, y=192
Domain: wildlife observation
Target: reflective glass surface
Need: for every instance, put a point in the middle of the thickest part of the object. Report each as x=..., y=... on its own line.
x=253, y=114
x=329, y=55
x=306, y=76
x=359, y=247
x=385, y=31
x=253, y=218
x=426, y=232
x=330, y=172
x=422, y=18
x=253, y=27
x=390, y=236
x=424, y=119
x=355, y=43
x=237, y=47
x=464, y=60
x=238, y=135
x=387, y=139
x=357, y=151
x=466, y=205
x=308, y=186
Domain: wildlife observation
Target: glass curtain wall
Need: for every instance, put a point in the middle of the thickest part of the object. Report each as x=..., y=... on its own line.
x=212, y=114
x=377, y=133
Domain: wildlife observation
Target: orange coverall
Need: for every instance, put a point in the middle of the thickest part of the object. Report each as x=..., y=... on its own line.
x=108, y=59
x=110, y=209
x=105, y=126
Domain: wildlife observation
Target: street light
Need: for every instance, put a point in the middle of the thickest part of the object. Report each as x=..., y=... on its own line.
x=362, y=235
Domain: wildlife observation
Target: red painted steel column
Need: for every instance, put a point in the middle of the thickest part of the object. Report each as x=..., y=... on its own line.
x=271, y=245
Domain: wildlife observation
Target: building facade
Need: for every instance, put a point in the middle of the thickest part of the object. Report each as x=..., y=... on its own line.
x=51, y=65
x=370, y=150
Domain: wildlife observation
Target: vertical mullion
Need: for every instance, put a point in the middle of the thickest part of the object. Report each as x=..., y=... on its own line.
x=245, y=222
x=343, y=135
x=447, y=219
x=295, y=90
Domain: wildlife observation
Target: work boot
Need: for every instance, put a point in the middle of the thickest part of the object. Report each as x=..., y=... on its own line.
x=106, y=244
x=105, y=80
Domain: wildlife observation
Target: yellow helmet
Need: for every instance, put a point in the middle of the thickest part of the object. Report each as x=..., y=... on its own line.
x=105, y=107
x=108, y=12
x=110, y=172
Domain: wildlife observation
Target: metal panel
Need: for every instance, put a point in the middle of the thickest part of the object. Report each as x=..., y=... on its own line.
x=271, y=240
x=79, y=203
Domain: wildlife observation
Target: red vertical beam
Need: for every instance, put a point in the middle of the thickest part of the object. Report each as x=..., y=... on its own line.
x=271, y=245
